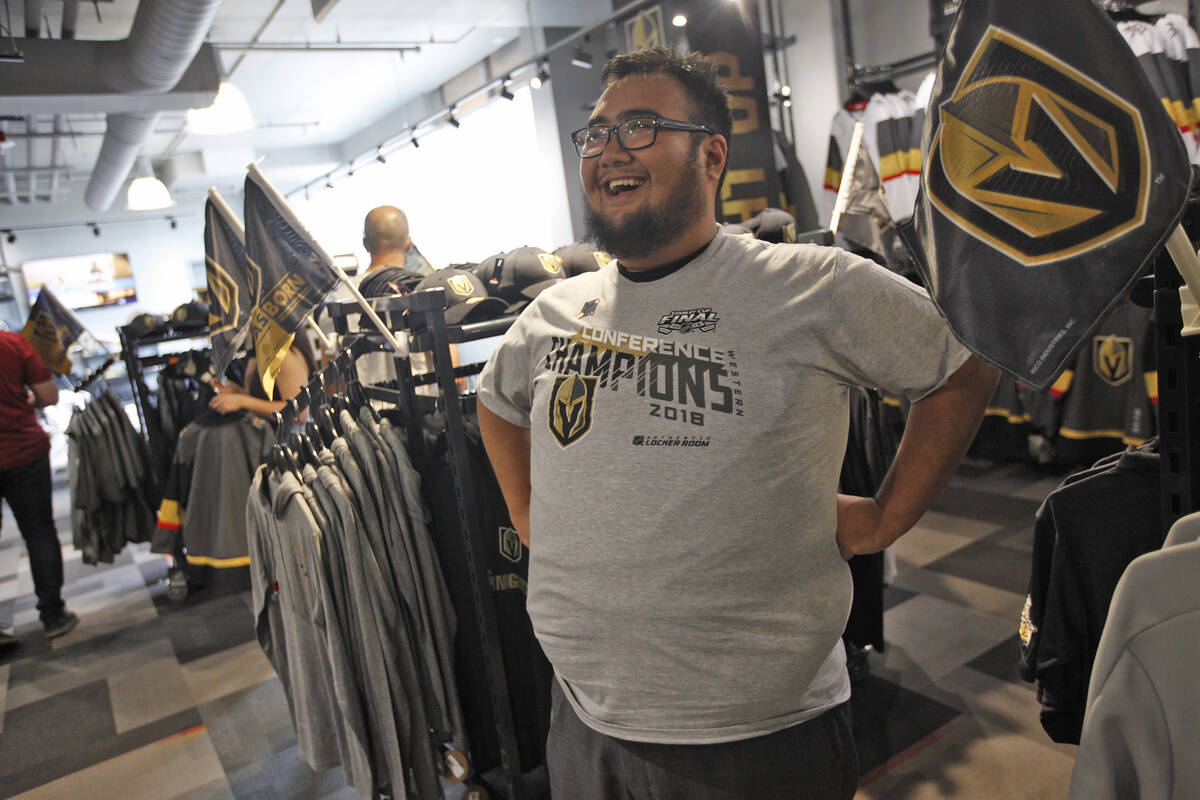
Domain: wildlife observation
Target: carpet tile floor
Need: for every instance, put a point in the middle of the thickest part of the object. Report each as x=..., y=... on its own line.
x=152, y=699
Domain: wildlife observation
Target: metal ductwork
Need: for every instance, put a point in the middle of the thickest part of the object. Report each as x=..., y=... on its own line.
x=165, y=37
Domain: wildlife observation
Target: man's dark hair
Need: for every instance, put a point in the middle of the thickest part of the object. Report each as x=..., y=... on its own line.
x=708, y=100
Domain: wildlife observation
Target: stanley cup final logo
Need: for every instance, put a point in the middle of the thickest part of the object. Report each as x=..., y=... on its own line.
x=1036, y=159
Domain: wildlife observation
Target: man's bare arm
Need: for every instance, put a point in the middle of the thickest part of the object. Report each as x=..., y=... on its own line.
x=508, y=449
x=939, y=431
x=44, y=394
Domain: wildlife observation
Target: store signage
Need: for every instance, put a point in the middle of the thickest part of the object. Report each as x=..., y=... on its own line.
x=646, y=30
x=728, y=35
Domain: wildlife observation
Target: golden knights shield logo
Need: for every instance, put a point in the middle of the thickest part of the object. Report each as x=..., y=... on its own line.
x=1034, y=158
x=461, y=284
x=1112, y=358
x=510, y=544
x=551, y=263
x=223, y=298
x=570, y=407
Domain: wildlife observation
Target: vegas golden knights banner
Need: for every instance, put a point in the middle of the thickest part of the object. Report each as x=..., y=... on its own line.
x=233, y=283
x=295, y=272
x=1052, y=175
x=51, y=329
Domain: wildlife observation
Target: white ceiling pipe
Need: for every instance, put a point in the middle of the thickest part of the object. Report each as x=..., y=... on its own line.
x=162, y=43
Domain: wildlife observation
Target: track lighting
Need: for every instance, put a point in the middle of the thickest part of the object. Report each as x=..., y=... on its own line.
x=504, y=92
x=450, y=118
x=173, y=222
x=95, y=228
x=542, y=77
x=379, y=156
x=415, y=143
x=328, y=184
x=582, y=58
x=9, y=236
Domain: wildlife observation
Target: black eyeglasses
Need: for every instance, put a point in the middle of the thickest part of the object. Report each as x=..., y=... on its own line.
x=632, y=134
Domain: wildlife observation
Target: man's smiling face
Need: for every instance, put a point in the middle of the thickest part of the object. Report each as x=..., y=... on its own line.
x=642, y=200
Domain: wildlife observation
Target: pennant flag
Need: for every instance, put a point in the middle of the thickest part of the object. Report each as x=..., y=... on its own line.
x=233, y=282
x=864, y=217
x=51, y=329
x=1052, y=176
x=295, y=273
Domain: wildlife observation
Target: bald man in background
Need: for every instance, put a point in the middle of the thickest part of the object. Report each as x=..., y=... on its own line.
x=385, y=236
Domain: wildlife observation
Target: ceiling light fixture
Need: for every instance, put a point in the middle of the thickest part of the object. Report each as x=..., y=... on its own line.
x=147, y=192
x=542, y=77
x=379, y=155
x=174, y=223
x=451, y=119
x=679, y=20
x=95, y=228
x=229, y=113
x=504, y=92
x=328, y=184
x=11, y=238
x=415, y=143
x=582, y=58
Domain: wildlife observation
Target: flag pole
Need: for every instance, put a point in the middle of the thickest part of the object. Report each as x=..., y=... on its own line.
x=843, y=195
x=282, y=204
x=1179, y=246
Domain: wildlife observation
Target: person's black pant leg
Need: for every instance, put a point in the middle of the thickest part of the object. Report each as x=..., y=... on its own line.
x=27, y=490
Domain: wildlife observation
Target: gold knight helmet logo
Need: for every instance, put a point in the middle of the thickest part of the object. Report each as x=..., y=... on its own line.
x=223, y=297
x=571, y=402
x=1036, y=159
x=1112, y=358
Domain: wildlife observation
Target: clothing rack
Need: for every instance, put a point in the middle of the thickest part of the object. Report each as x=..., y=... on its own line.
x=94, y=375
x=859, y=75
x=136, y=364
x=422, y=316
x=1178, y=381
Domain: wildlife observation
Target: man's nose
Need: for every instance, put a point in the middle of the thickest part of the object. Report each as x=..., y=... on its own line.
x=614, y=152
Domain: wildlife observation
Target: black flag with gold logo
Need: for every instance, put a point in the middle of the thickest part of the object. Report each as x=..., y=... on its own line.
x=296, y=274
x=51, y=329
x=1053, y=175
x=233, y=283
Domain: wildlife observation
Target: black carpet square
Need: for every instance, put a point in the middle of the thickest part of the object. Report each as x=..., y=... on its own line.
x=1000, y=509
x=889, y=719
x=201, y=626
x=1000, y=662
x=48, y=739
x=894, y=596
x=988, y=563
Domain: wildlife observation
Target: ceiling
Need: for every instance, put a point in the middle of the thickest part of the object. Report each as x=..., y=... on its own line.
x=305, y=104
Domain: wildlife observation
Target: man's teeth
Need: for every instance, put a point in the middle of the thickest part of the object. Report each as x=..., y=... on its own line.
x=620, y=184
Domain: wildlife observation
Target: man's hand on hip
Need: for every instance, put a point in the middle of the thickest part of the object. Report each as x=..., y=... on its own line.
x=859, y=521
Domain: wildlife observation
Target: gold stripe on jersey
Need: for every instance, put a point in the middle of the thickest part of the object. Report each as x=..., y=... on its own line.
x=1110, y=433
x=219, y=563
x=170, y=516
x=1151, y=379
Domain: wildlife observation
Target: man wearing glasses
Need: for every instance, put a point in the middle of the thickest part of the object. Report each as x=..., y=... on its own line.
x=668, y=433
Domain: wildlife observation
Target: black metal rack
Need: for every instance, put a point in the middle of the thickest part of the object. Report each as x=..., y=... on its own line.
x=1178, y=384
x=136, y=364
x=422, y=316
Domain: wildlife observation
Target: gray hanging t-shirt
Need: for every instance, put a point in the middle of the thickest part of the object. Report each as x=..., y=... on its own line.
x=687, y=436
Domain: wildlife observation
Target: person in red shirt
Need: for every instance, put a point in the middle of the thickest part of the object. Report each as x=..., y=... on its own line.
x=26, y=384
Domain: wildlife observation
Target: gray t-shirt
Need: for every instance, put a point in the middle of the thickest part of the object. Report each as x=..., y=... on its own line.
x=686, y=439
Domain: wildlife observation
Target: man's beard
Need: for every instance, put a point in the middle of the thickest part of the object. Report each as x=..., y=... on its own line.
x=649, y=229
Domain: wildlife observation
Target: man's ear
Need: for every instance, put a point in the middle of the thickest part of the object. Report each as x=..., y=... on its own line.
x=408, y=246
x=716, y=151
x=366, y=246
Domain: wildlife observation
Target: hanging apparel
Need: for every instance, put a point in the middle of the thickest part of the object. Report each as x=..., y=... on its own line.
x=204, y=497
x=528, y=674
x=377, y=600
x=1087, y=532
x=1140, y=727
x=108, y=470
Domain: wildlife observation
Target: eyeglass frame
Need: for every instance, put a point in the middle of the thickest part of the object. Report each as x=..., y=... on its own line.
x=659, y=123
